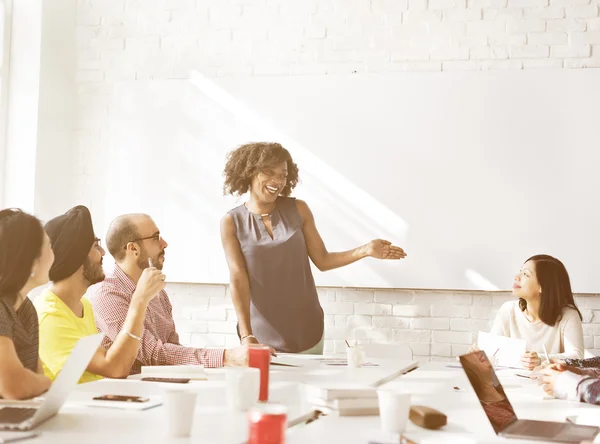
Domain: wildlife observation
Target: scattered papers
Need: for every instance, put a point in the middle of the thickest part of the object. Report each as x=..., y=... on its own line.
x=507, y=351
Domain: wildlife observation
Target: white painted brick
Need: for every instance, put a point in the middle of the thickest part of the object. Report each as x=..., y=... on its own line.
x=329, y=321
x=411, y=310
x=588, y=302
x=496, y=41
x=374, y=334
x=212, y=314
x=354, y=295
x=483, y=312
x=458, y=349
x=451, y=311
x=372, y=309
x=488, y=52
x=411, y=335
x=588, y=342
x=568, y=2
x=338, y=307
x=430, y=323
x=582, y=11
x=391, y=322
x=502, y=16
x=522, y=52
x=484, y=4
x=386, y=6
x=461, y=65
x=441, y=350
x=582, y=38
x=440, y=359
x=455, y=53
x=326, y=294
x=446, y=4
x=597, y=342
x=363, y=321
x=547, y=38
x=452, y=337
x=412, y=16
x=411, y=53
x=565, y=51
x=417, y=5
x=526, y=25
x=472, y=325
x=270, y=69
x=340, y=333
x=419, y=349
x=394, y=297
x=550, y=12
x=527, y=3
x=185, y=339
x=462, y=15
x=308, y=68
x=593, y=24
x=221, y=327
x=565, y=25
x=591, y=62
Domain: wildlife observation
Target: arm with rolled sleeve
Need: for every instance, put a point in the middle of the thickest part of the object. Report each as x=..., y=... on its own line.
x=110, y=317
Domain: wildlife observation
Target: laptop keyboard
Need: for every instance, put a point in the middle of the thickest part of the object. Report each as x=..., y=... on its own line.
x=541, y=429
x=15, y=415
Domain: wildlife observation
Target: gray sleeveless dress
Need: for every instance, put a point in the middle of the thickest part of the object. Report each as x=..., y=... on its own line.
x=284, y=307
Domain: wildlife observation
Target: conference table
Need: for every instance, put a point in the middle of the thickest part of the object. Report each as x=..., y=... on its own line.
x=441, y=385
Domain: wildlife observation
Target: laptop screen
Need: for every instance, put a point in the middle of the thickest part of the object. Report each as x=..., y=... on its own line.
x=488, y=389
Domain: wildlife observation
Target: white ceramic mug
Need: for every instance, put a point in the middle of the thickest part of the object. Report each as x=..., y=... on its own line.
x=242, y=387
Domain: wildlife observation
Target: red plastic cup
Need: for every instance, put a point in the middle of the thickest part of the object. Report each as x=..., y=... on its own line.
x=259, y=357
x=268, y=423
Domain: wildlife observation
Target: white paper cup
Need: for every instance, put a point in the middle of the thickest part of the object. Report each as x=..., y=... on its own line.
x=180, y=405
x=355, y=356
x=394, y=408
x=242, y=387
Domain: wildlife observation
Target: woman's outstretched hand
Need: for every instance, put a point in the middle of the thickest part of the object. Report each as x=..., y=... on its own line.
x=382, y=249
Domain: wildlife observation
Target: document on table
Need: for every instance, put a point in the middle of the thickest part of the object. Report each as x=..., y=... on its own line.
x=508, y=350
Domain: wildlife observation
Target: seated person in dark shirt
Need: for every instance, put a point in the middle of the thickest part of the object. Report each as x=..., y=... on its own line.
x=25, y=260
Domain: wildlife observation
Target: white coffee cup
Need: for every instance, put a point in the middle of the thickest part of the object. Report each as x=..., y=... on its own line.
x=180, y=405
x=394, y=408
x=242, y=387
x=355, y=356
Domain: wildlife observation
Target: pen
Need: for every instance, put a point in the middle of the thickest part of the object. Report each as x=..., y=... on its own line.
x=546, y=354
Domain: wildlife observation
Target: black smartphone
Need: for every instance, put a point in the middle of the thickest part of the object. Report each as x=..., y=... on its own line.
x=173, y=380
x=121, y=398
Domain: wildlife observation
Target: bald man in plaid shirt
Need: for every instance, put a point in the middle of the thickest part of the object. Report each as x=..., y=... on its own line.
x=134, y=241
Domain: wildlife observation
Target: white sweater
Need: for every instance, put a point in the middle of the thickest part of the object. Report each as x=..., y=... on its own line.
x=564, y=340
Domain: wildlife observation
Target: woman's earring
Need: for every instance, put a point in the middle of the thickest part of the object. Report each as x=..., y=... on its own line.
x=32, y=274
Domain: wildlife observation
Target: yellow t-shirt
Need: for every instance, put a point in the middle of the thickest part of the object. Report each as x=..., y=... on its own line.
x=60, y=330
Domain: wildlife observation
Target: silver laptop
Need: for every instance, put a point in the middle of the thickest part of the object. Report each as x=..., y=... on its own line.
x=22, y=416
x=501, y=414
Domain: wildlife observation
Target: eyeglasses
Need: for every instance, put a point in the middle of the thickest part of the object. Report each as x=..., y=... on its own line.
x=155, y=237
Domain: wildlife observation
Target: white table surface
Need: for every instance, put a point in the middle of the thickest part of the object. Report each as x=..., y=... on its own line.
x=213, y=422
x=432, y=385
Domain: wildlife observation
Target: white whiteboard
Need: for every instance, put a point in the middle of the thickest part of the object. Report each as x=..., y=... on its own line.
x=469, y=172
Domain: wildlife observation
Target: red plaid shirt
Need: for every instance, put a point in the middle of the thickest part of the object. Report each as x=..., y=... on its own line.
x=160, y=342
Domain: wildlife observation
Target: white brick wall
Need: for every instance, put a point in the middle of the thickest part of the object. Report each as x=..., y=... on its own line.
x=437, y=325
x=165, y=39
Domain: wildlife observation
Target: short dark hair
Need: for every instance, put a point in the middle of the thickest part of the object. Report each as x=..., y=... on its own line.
x=248, y=160
x=554, y=281
x=21, y=242
x=121, y=231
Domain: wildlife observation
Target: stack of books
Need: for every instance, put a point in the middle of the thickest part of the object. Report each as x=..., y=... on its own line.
x=344, y=399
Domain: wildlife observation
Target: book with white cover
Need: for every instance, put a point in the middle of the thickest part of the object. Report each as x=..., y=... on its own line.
x=331, y=390
x=193, y=372
x=348, y=403
x=154, y=401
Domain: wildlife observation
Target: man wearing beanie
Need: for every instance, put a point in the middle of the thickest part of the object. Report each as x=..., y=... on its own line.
x=65, y=316
x=135, y=243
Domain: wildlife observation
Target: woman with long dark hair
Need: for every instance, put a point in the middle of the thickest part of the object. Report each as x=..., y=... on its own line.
x=545, y=314
x=25, y=260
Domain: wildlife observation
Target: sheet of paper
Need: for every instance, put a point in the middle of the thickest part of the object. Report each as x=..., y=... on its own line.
x=508, y=350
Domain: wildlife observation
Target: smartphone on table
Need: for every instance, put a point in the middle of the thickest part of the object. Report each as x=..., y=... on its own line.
x=121, y=398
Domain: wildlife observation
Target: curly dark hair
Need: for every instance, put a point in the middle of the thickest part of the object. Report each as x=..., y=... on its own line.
x=248, y=160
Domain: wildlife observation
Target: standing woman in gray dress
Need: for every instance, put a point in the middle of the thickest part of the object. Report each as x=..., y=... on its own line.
x=25, y=260
x=268, y=241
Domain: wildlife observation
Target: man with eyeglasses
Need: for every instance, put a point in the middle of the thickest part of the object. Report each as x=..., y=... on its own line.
x=135, y=243
x=65, y=316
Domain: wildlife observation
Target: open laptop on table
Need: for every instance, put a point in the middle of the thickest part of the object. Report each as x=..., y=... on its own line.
x=501, y=414
x=21, y=416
